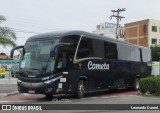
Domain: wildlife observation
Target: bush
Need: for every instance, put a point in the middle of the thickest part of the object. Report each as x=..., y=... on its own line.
x=151, y=85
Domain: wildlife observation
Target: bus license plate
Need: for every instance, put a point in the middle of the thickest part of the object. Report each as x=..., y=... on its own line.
x=31, y=91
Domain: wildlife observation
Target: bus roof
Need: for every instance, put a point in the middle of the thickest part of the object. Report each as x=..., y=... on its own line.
x=60, y=34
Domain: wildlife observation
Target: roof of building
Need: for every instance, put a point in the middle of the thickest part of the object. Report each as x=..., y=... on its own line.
x=2, y=56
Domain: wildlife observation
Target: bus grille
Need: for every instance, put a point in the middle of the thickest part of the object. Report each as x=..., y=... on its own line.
x=27, y=84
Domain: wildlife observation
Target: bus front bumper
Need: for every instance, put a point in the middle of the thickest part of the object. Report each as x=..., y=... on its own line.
x=40, y=87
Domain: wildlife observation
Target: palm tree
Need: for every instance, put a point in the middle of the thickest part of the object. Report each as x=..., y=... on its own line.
x=7, y=35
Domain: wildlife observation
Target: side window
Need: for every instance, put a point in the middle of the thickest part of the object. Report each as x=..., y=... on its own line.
x=98, y=48
x=90, y=47
x=85, y=48
x=129, y=53
x=135, y=54
x=146, y=55
x=73, y=39
x=110, y=50
x=124, y=52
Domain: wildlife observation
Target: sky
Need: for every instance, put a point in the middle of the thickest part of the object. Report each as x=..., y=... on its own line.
x=32, y=17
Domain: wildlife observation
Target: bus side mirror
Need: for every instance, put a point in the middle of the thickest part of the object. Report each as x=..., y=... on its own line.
x=12, y=51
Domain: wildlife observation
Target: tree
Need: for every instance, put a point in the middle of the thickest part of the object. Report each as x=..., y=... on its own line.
x=155, y=53
x=7, y=35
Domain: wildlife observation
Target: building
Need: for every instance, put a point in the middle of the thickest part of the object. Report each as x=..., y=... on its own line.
x=7, y=62
x=109, y=30
x=4, y=56
x=106, y=29
x=144, y=32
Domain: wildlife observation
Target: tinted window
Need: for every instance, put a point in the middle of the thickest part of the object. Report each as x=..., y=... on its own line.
x=124, y=52
x=85, y=48
x=146, y=55
x=135, y=54
x=73, y=39
x=110, y=50
x=90, y=48
x=62, y=60
x=98, y=48
x=129, y=53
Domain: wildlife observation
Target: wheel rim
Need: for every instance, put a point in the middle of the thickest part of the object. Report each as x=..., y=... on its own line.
x=81, y=88
x=137, y=84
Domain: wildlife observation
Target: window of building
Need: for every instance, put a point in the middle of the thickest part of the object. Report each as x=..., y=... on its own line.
x=154, y=41
x=110, y=50
x=154, y=28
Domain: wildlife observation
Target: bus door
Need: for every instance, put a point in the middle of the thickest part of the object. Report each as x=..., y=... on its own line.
x=64, y=59
x=64, y=64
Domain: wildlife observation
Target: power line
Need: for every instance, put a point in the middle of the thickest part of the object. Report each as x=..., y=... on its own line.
x=24, y=31
x=29, y=25
x=40, y=25
x=118, y=18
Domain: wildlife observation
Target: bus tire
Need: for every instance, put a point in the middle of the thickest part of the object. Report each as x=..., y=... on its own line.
x=136, y=85
x=80, y=89
x=49, y=96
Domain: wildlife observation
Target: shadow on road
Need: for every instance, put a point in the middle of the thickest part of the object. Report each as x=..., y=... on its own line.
x=114, y=92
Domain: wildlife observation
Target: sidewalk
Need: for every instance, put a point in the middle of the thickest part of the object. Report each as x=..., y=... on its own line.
x=8, y=80
x=8, y=86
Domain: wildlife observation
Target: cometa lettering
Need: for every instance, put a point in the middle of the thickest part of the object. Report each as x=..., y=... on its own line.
x=94, y=66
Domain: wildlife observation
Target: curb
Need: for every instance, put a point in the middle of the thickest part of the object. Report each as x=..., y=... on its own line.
x=12, y=93
x=9, y=94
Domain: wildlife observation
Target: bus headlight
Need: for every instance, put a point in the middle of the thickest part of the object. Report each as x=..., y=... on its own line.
x=48, y=81
x=19, y=81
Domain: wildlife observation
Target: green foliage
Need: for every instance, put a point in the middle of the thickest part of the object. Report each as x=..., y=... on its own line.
x=155, y=53
x=7, y=35
x=151, y=85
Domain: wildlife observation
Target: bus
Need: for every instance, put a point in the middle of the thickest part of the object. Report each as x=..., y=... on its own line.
x=78, y=62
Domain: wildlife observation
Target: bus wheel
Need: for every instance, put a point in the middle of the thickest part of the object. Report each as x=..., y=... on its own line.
x=80, y=89
x=48, y=96
x=136, y=86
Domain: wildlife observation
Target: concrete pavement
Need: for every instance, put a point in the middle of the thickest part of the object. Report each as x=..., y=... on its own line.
x=8, y=86
x=8, y=81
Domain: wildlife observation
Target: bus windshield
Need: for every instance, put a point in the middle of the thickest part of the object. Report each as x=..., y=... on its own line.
x=36, y=58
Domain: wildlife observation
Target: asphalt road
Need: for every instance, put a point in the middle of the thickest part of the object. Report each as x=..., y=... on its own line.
x=109, y=97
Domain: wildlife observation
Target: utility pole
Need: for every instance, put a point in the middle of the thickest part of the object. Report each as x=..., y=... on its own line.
x=118, y=17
